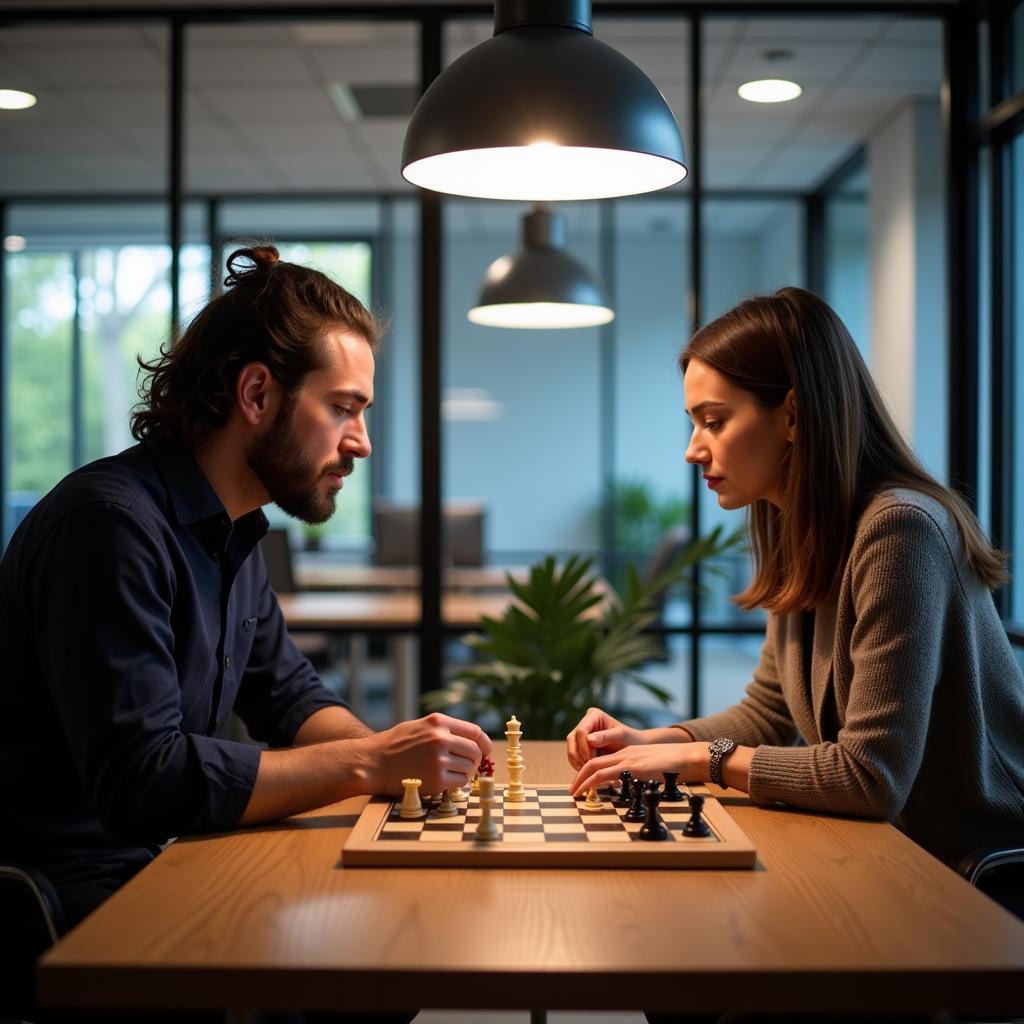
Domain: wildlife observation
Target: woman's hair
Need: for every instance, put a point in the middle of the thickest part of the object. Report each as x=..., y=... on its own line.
x=272, y=312
x=846, y=447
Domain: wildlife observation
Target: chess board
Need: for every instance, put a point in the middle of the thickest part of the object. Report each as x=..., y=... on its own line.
x=548, y=828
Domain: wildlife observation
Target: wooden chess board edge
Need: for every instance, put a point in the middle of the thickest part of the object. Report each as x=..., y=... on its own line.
x=363, y=849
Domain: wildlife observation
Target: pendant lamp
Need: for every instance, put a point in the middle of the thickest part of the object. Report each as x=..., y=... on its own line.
x=541, y=286
x=543, y=111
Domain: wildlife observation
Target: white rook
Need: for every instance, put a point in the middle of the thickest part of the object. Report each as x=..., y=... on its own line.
x=412, y=807
x=487, y=829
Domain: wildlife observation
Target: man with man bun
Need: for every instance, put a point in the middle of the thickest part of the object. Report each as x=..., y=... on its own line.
x=135, y=611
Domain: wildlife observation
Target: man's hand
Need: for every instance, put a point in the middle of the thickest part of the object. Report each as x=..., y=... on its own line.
x=597, y=730
x=441, y=751
x=645, y=762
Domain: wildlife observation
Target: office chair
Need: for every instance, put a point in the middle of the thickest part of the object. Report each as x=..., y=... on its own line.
x=396, y=533
x=277, y=555
x=1000, y=875
x=31, y=920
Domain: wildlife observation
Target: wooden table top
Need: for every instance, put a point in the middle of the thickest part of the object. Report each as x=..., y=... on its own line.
x=393, y=610
x=839, y=913
x=316, y=574
x=396, y=610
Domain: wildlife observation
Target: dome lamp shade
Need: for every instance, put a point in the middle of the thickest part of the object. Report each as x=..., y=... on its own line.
x=543, y=111
x=541, y=286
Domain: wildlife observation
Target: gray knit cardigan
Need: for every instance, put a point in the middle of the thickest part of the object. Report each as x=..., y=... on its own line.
x=914, y=709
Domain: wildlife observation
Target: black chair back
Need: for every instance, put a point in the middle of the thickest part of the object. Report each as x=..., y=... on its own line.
x=277, y=553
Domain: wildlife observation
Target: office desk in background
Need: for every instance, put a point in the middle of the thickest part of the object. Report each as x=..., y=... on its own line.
x=395, y=614
x=316, y=574
x=839, y=914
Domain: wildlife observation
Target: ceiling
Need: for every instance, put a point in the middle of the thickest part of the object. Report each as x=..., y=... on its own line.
x=269, y=104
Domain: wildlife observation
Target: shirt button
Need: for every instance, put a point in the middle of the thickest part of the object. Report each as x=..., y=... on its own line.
x=227, y=661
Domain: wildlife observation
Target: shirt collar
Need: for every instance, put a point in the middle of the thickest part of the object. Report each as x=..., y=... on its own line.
x=195, y=502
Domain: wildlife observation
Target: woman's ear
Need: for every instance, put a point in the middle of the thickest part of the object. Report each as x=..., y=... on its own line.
x=790, y=405
x=255, y=392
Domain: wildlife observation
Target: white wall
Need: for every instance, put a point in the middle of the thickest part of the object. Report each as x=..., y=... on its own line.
x=908, y=354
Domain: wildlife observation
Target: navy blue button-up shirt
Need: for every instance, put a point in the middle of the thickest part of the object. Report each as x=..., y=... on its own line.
x=134, y=616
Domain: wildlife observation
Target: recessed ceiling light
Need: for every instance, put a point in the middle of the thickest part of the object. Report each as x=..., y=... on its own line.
x=769, y=90
x=15, y=243
x=15, y=99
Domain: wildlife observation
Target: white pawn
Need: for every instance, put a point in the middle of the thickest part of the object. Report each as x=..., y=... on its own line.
x=412, y=807
x=445, y=809
x=460, y=794
x=593, y=801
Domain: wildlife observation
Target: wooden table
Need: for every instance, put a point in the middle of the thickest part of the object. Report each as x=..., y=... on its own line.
x=317, y=574
x=839, y=914
x=395, y=613
x=385, y=611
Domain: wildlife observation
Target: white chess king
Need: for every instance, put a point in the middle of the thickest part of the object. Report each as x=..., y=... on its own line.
x=514, y=791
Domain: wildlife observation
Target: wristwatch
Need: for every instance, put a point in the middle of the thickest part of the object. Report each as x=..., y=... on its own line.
x=719, y=750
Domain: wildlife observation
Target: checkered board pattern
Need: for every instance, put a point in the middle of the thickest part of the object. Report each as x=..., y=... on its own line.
x=547, y=828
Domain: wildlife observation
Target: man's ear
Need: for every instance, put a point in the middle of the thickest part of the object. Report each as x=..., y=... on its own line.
x=256, y=394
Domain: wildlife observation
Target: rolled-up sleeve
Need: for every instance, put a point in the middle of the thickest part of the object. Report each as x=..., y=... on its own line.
x=280, y=689
x=104, y=629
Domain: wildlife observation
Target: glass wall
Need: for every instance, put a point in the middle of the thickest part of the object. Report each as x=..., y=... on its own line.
x=568, y=441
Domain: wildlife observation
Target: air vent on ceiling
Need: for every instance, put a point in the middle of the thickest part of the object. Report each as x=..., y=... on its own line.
x=357, y=102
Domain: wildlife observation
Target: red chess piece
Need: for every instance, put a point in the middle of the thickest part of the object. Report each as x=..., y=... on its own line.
x=487, y=767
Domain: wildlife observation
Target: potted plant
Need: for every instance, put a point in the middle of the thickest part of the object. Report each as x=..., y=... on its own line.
x=565, y=641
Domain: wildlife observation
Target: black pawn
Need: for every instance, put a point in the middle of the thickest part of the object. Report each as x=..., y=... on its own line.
x=672, y=794
x=636, y=807
x=623, y=796
x=696, y=827
x=653, y=829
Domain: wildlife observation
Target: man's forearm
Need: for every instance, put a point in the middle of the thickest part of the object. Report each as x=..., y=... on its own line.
x=301, y=778
x=332, y=723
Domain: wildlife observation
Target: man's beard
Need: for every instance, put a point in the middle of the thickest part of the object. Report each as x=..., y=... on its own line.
x=288, y=475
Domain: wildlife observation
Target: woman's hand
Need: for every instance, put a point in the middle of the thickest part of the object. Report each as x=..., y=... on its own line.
x=597, y=730
x=691, y=760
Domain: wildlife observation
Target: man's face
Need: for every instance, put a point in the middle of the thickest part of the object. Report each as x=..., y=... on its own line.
x=319, y=432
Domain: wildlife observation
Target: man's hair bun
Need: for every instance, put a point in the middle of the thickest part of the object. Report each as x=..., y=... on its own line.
x=249, y=262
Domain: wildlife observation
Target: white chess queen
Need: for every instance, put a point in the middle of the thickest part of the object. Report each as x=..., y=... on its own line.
x=884, y=652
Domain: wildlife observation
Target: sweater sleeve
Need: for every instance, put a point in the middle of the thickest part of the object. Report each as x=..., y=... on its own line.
x=762, y=716
x=904, y=580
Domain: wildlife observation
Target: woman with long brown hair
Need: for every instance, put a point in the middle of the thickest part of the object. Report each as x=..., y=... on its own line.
x=886, y=687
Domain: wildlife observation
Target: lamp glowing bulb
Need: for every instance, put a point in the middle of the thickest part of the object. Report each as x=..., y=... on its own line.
x=769, y=90
x=15, y=99
x=544, y=171
x=541, y=315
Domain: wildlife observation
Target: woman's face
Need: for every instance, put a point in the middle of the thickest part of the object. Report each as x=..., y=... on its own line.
x=739, y=446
